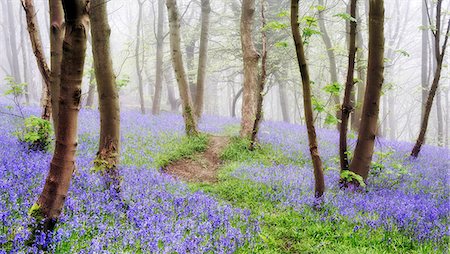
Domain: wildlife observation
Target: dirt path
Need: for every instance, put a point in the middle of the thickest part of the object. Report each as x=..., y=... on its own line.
x=202, y=167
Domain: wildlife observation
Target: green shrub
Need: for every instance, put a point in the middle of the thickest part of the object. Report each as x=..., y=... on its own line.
x=36, y=134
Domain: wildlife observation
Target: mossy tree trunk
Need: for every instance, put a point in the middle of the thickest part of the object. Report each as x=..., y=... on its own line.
x=108, y=97
x=51, y=201
x=177, y=61
x=306, y=84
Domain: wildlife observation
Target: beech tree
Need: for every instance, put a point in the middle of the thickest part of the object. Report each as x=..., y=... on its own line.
x=360, y=163
x=439, y=53
x=138, y=53
x=108, y=97
x=51, y=201
x=250, y=60
x=347, y=106
x=156, y=107
x=306, y=84
x=177, y=61
x=36, y=43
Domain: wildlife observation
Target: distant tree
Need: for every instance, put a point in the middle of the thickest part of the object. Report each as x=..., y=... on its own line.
x=57, y=31
x=156, y=107
x=36, y=43
x=306, y=84
x=362, y=158
x=250, y=59
x=331, y=58
x=202, y=59
x=347, y=106
x=439, y=52
x=51, y=201
x=177, y=62
x=108, y=97
x=138, y=53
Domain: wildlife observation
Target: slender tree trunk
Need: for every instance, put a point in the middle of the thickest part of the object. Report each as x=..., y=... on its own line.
x=177, y=61
x=361, y=87
x=36, y=43
x=347, y=106
x=250, y=59
x=434, y=85
x=24, y=59
x=331, y=58
x=306, y=83
x=138, y=63
x=202, y=59
x=13, y=42
x=284, y=102
x=261, y=82
x=156, y=108
x=91, y=90
x=173, y=101
x=50, y=203
x=57, y=31
x=235, y=99
x=366, y=137
x=108, y=97
x=424, y=65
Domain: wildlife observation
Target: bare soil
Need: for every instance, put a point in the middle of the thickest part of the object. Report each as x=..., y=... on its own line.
x=202, y=167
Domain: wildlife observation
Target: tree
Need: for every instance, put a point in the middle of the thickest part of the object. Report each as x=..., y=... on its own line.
x=177, y=62
x=156, y=107
x=306, y=84
x=331, y=59
x=202, y=59
x=440, y=53
x=51, y=201
x=250, y=59
x=137, y=54
x=347, y=106
x=108, y=97
x=57, y=31
x=360, y=164
x=36, y=43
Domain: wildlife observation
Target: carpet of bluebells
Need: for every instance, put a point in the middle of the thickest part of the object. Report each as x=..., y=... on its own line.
x=165, y=216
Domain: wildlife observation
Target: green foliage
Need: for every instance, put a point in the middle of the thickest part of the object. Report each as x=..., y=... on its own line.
x=320, y=7
x=36, y=133
x=122, y=82
x=281, y=44
x=349, y=176
x=186, y=148
x=275, y=26
x=14, y=88
x=402, y=52
x=346, y=17
x=334, y=88
x=331, y=119
x=35, y=212
x=318, y=105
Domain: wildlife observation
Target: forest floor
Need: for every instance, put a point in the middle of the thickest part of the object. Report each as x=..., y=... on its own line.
x=202, y=166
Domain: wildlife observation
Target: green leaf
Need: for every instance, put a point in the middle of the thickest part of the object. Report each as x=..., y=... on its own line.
x=346, y=17
x=331, y=119
x=281, y=44
x=334, y=88
x=320, y=7
x=403, y=52
x=318, y=105
x=275, y=26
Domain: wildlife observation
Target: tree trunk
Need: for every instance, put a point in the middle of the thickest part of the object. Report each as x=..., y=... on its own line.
x=261, y=82
x=108, y=97
x=356, y=119
x=424, y=64
x=13, y=43
x=177, y=61
x=36, y=43
x=306, y=83
x=50, y=203
x=284, y=102
x=156, y=107
x=347, y=106
x=173, y=101
x=366, y=137
x=250, y=59
x=434, y=85
x=57, y=31
x=202, y=59
x=24, y=59
x=331, y=58
x=138, y=63
x=91, y=90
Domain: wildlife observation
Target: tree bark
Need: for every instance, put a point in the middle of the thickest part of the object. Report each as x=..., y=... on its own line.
x=13, y=43
x=138, y=63
x=250, y=59
x=306, y=83
x=347, y=106
x=108, y=97
x=91, y=90
x=331, y=58
x=284, y=102
x=424, y=56
x=361, y=69
x=156, y=107
x=50, y=203
x=434, y=86
x=261, y=82
x=57, y=31
x=177, y=61
x=36, y=43
x=202, y=59
x=366, y=137
x=24, y=59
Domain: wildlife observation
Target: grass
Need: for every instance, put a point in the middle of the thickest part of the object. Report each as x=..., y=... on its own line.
x=284, y=230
